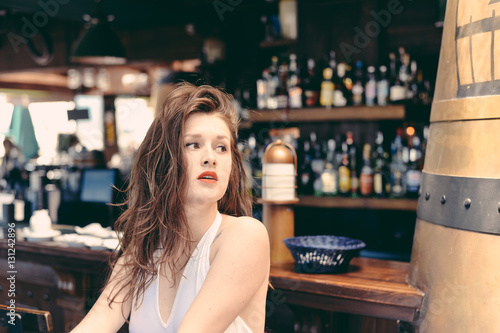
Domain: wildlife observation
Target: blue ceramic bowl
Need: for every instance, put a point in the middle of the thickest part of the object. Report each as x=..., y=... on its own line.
x=323, y=254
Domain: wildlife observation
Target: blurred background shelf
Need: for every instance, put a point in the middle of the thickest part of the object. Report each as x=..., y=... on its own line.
x=362, y=113
x=403, y=204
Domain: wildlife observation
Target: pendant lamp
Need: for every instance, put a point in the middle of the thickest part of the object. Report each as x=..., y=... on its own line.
x=98, y=44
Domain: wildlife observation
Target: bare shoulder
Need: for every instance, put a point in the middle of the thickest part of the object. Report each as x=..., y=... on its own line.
x=245, y=227
x=244, y=234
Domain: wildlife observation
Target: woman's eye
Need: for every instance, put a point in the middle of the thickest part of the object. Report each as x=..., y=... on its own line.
x=221, y=149
x=192, y=145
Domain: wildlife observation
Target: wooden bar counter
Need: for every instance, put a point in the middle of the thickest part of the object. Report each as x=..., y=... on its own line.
x=371, y=288
x=66, y=281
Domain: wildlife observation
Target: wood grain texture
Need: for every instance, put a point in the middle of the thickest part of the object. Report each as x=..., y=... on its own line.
x=371, y=287
x=362, y=113
x=357, y=203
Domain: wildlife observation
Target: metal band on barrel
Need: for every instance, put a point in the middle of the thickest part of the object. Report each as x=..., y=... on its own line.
x=460, y=202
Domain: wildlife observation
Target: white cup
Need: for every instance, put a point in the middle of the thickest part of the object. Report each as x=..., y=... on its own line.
x=40, y=222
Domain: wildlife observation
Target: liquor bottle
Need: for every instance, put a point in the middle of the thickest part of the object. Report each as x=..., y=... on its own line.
x=357, y=89
x=282, y=95
x=317, y=164
x=412, y=92
x=404, y=73
x=310, y=85
x=366, y=176
x=371, y=87
x=273, y=71
x=306, y=173
x=352, y=163
x=262, y=90
x=397, y=91
x=294, y=89
x=340, y=91
x=330, y=173
x=413, y=175
x=382, y=87
x=379, y=179
x=326, y=94
x=354, y=173
x=344, y=172
x=398, y=168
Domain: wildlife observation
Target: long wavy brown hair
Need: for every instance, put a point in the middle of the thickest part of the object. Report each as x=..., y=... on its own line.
x=154, y=215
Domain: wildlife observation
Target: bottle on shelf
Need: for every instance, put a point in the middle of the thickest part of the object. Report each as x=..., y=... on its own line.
x=294, y=89
x=413, y=175
x=326, y=94
x=353, y=164
x=282, y=95
x=379, y=166
x=357, y=89
x=330, y=172
x=311, y=85
x=262, y=90
x=344, y=172
x=366, y=176
x=397, y=91
x=398, y=168
x=340, y=92
x=382, y=87
x=306, y=173
x=371, y=87
x=317, y=163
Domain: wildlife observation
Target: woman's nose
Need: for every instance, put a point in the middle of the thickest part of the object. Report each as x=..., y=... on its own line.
x=209, y=157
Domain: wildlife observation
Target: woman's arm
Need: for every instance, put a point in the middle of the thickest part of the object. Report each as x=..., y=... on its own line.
x=102, y=317
x=237, y=273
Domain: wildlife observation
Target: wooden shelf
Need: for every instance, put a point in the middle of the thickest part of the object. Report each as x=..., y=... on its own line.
x=363, y=113
x=358, y=203
x=277, y=43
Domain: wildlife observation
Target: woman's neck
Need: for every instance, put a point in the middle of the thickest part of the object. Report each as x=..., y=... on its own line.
x=200, y=218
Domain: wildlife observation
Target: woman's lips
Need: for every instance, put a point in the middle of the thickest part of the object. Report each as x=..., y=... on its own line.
x=208, y=177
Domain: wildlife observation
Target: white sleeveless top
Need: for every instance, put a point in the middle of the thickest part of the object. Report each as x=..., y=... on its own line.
x=147, y=317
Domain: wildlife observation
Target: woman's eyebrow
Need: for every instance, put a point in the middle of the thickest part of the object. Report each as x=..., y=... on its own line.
x=196, y=136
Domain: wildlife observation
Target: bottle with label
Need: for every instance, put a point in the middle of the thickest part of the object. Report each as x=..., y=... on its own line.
x=397, y=91
x=282, y=95
x=398, y=168
x=330, y=173
x=317, y=164
x=371, y=87
x=311, y=85
x=354, y=173
x=326, y=94
x=379, y=179
x=366, y=176
x=345, y=172
x=262, y=90
x=382, y=87
x=306, y=174
x=357, y=89
x=294, y=89
x=352, y=163
x=340, y=91
x=413, y=175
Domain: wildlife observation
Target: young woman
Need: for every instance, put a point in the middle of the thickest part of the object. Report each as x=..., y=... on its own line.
x=191, y=258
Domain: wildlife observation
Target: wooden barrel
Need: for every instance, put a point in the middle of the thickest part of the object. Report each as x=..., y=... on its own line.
x=456, y=249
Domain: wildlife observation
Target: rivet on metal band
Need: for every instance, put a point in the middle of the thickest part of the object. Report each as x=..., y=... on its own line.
x=460, y=202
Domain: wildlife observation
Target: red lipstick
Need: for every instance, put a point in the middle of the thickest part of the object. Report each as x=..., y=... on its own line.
x=208, y=177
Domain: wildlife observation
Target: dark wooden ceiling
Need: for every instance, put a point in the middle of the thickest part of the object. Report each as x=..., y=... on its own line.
x=135, y=14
